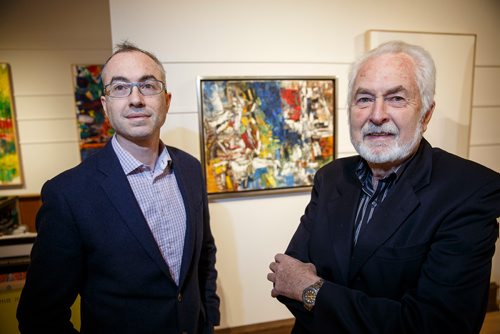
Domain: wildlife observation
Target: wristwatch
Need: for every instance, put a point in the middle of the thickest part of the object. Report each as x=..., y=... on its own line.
x=309, y=294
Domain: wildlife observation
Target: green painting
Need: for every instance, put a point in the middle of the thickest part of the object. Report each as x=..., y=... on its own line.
x=10, y=161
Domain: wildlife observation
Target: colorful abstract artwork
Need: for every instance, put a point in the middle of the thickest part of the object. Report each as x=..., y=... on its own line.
x=265, y=134
x=94, y=127
x=10, y=159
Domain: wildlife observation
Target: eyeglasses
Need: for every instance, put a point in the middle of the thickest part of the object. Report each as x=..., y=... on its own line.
x=124, y=89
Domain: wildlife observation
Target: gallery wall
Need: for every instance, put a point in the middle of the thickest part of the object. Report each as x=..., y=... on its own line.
x=218, y=38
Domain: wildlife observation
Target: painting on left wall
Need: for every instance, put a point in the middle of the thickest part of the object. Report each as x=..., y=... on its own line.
x=93, y=126
x=11, y=174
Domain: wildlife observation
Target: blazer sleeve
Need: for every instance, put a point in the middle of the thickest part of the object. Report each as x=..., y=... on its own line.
x=54, y=273
x=451, y=291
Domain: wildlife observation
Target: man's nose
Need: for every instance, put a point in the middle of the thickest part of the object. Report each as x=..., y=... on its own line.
x=136, y=97
x=379, y=113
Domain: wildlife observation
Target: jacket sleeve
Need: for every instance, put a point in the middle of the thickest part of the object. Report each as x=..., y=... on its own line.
x=54, y=273
x=451, y=291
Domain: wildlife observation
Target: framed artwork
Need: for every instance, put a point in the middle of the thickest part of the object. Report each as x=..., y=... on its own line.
x=93, y=126
x=265, y=134
x=11, y=174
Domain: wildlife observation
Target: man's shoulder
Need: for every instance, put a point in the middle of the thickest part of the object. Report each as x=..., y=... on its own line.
x=181, y=156
x=81, y=173
x=448, y=164
x=341, y=164
x=339, y=169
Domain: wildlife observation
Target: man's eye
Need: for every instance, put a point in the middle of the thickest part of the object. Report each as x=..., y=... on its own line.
x=119, y=87
x=364, y=100
x=148, y=85
x=396, y=101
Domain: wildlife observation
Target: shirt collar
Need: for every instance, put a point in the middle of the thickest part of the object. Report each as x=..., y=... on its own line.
x=131, y=164
x=363, y=171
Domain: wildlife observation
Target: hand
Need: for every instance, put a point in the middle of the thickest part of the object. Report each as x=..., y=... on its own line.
x=290, y=276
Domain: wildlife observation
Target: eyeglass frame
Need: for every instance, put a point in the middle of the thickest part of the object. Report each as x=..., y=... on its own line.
x=131, y=87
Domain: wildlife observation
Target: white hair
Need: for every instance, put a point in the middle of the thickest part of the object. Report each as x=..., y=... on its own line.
x=425, y=70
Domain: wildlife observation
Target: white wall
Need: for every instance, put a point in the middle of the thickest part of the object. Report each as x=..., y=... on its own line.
x=226, y=37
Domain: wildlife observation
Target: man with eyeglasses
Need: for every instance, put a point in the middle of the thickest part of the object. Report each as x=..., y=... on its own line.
x=400, y=238
x=128, y=229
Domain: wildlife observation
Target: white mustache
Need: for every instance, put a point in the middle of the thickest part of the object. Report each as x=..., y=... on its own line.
x=387, y=128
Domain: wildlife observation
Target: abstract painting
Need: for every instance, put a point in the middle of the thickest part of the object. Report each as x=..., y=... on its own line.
x=265, y=134
x=10, y=158
x=93, y=125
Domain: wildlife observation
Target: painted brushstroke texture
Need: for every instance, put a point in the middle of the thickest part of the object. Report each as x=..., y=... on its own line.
x=93, y=126
x=266, y=134
x=10, y=164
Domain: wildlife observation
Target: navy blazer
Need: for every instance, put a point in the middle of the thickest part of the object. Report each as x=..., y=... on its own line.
x=423, y=263
x=93, y=240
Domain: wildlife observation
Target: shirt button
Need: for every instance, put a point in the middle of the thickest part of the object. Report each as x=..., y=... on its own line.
x=179, y=297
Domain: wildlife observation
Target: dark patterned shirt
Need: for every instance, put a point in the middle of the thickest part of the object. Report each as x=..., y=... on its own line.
x=371, y=198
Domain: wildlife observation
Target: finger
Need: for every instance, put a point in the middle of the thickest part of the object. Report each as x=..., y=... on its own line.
x=312, y=267
x=271, y=277
x=278, y=257
x=272, y=266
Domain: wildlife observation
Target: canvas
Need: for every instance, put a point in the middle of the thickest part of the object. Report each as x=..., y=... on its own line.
x=10, y=158
x=265, y=134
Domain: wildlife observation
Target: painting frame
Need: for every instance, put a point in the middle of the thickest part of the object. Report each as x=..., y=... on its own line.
x=11, y=168
x=263, y=135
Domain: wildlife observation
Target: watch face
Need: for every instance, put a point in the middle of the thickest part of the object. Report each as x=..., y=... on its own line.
x=309, y=296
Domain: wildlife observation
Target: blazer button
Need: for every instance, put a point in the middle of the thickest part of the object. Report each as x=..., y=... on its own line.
x=179, y=297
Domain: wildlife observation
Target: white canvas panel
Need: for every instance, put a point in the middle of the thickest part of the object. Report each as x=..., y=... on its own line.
x=484, y=126
x=486, y=86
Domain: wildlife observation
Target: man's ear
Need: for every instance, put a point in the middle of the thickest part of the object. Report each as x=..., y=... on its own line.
x=168, y=98
x=428, y=115
x=104, y=105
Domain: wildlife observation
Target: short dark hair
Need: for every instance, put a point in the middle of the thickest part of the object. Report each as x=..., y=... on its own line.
x=127, y=46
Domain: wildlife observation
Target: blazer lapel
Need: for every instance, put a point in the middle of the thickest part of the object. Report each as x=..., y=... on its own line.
x=121, y=196
x=341, y=212
x=385, y=222
x=395, y=209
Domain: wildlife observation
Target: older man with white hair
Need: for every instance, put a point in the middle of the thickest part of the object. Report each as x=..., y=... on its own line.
x=400, y=238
